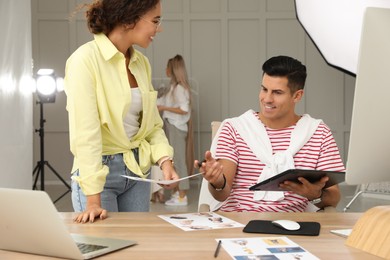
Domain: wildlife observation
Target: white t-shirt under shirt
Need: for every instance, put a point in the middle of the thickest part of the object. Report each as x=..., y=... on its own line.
x=131, y=120
x=320, y=153
x=177, y=97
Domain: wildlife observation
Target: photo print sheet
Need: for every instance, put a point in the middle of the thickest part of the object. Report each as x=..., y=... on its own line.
x=269, y=248
x=200, y=221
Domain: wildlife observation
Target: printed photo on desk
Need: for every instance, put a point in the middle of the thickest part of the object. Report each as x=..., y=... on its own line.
x=272, y=248
x=200, y=221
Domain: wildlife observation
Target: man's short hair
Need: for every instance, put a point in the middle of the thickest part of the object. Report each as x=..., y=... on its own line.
x=284, y=66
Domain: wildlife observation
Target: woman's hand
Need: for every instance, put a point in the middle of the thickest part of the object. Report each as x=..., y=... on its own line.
x=169, y=174
x=93, y=210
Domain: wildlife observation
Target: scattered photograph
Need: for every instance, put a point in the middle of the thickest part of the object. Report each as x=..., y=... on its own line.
x=200, y=221
x=252, y=248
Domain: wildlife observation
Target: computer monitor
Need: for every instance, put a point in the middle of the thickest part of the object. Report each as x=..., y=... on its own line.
x=368, y=158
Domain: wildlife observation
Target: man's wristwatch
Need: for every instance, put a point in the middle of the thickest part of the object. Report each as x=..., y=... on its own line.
x=317, y=200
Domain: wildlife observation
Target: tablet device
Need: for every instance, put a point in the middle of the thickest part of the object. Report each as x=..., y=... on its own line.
x=272, y=184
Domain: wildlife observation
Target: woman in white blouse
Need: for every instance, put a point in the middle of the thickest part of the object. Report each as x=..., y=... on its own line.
x=175, y=107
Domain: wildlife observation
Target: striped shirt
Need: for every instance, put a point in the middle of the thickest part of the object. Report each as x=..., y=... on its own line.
x=319, y=153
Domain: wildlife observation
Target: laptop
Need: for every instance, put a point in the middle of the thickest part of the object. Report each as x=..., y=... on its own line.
x=30, y=223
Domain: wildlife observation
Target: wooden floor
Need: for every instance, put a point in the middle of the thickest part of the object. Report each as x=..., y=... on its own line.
x=361, y=204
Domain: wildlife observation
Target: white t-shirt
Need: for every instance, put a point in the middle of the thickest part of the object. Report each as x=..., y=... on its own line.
x=178, y=97
x=131, y=120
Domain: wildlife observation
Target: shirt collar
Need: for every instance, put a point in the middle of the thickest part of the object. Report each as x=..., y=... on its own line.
x=108, y=49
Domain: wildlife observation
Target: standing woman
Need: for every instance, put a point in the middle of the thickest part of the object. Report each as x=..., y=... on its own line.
x=175, y=106
x=114, y=125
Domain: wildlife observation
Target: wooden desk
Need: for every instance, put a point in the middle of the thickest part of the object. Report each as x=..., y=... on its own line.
x=157, y=239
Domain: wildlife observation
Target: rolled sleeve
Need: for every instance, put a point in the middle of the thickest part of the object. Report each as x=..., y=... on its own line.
x=84, y=124
x=93, y=183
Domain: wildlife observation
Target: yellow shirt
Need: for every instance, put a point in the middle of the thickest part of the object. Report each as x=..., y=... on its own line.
x=98, y=98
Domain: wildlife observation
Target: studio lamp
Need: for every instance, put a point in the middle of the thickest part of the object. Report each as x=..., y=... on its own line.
x=47, y=86
x=335, y=28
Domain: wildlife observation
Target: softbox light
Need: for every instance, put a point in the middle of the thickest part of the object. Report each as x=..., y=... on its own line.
x=335, y=28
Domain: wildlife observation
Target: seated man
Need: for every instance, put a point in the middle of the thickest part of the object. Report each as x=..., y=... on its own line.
x=258, y=145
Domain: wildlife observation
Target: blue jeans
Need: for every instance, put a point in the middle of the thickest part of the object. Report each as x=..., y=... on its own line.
x=120, y=194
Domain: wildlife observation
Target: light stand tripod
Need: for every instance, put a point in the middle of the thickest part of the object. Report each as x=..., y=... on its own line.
x=39, y=169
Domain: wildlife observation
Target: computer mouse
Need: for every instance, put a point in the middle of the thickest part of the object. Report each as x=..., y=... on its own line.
x=286, y=224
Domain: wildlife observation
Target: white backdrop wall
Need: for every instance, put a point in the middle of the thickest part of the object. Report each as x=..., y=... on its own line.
x=224, y=43
x=15, y=94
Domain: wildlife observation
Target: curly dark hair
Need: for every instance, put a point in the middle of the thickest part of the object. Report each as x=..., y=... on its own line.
x=284, y=66
x=103, y=15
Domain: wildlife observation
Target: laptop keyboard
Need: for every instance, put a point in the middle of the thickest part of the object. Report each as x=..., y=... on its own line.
x=87, y=248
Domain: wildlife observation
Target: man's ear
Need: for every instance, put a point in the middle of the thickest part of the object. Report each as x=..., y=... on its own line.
x=298, y=95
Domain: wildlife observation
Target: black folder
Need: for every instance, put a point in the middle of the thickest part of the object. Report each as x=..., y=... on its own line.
x=272, y=184
x=266, y=226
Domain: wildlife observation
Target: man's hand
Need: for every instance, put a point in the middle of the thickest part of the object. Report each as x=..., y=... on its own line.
x=305, y=188
x=211, y=168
